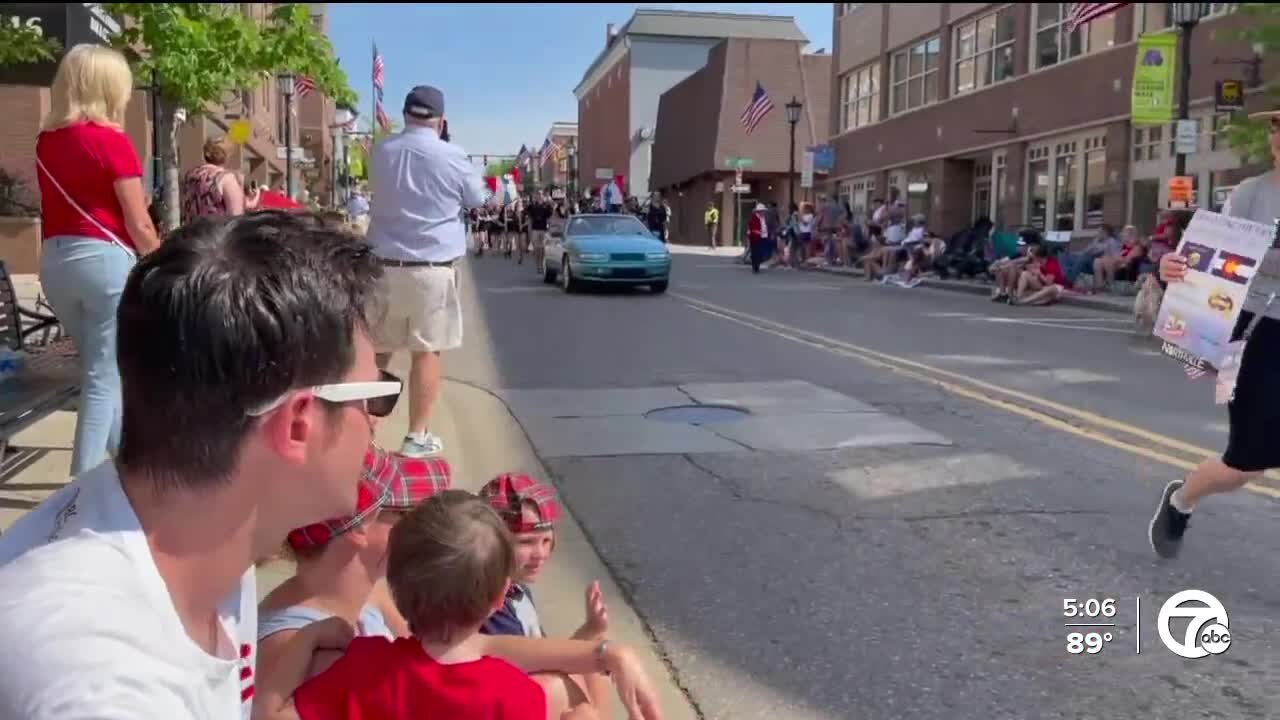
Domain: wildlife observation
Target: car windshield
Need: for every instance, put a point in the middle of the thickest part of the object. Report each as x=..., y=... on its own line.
x=606, y=225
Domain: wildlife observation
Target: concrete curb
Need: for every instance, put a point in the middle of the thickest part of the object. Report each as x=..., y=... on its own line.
x=1083, y=301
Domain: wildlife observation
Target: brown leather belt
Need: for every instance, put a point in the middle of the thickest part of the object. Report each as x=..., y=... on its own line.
x=416, y=263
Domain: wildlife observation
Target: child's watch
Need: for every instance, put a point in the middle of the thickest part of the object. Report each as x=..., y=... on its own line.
x=601, y=649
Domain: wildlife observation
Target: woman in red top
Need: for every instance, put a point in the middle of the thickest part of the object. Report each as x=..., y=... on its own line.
x=758, y=237
x=94, y=222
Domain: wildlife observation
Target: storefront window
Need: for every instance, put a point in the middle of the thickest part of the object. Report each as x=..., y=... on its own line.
x=1065, y=193
x=1095, y=177
x=918, y=196
x=1038, y=192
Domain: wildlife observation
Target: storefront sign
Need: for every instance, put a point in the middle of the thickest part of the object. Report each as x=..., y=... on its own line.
x=1153, y=79
x=1186, y=139
x=1181, y=191
x=1228, y=96
x=69, y=23
x=824, y=157
x=806, y=170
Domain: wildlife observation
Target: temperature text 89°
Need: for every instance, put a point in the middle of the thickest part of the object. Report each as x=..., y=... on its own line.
x=1090, y=643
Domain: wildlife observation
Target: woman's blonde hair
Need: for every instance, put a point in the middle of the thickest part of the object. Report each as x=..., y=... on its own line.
x=92, y=83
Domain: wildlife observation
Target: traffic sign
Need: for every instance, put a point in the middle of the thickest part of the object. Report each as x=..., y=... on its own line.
x=739, y=162
x=742, y=189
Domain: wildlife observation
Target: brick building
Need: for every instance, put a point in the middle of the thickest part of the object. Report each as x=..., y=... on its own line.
x=553, y=170
x=618, y=94
x=699, y=127
x=970, y=109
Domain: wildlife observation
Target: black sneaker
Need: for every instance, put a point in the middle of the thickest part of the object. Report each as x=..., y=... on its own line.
x=1169, y=524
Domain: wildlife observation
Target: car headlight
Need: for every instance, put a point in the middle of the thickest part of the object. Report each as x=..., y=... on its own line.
x=657, y=256
x=593, y=257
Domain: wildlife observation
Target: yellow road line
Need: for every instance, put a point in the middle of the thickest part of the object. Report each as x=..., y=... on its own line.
x=927, y=374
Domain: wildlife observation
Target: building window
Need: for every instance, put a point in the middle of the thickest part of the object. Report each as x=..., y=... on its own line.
x=1053, y=42
x=1154, y=17
x=1064, y=187
x=1218, y=137
x=1068, y=199
x=1095, y=179
x=1147, y=142
x=915, y=76
x=860, y=97
x=984, y=51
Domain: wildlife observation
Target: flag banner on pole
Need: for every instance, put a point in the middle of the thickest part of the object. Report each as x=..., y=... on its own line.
x=304, y=86
x=1154, y=72
x=1083, y=13
x=756, y=109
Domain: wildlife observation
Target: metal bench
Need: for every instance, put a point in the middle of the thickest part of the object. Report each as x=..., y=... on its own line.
x=49, y=380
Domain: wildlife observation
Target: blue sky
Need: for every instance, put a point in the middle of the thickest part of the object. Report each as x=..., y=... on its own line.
x=508, y=69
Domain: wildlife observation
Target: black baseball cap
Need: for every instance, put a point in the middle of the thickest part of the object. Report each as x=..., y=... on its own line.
x=424, y=101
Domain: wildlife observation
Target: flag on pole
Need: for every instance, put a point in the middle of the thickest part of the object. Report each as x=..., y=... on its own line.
x=384, y=122
x=379, y=71
x=756, y=110
x=304, y=86
x=1082, y=13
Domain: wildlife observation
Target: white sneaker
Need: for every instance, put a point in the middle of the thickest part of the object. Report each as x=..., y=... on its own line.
x=430, y=445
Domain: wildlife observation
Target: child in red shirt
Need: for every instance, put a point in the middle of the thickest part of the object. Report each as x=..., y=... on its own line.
x=449, y=563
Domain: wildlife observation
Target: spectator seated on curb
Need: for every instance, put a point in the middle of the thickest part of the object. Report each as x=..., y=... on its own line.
x=1041, y=281
x=1007, y=270
x=530, y=511
x=449, y=562
x=1123, y=267
x=1104, y=244
x=874, y=261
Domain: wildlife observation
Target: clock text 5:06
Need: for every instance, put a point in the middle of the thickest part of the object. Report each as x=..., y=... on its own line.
x=1092, y=607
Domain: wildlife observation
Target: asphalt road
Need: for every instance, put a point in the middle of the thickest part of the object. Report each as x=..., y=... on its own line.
x=917, y=580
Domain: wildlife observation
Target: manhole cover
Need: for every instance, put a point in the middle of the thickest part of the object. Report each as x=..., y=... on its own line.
x=697, y=414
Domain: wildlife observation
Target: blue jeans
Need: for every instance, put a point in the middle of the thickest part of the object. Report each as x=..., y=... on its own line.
x=82, y=278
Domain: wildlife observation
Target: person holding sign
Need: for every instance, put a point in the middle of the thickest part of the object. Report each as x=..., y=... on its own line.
x=1253, y=445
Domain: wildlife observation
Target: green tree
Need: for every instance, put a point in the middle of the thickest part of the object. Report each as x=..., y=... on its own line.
x=500, y=168
x=1249, y=138
x=25, y=44
x=200, y=53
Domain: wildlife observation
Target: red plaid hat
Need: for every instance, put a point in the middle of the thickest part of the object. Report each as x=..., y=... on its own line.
x=380, y=475
x=507, y=494
x=417, y=480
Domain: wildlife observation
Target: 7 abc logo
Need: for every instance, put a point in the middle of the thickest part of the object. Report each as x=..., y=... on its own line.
x=1207, y=625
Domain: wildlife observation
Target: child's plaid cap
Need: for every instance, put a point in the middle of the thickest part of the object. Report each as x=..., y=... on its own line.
x=507, y=494
x=387, y=480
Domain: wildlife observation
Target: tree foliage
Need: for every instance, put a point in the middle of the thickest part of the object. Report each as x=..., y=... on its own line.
x=201, y=52
x=21, y=44
x=1249, y=138
x=500, y=168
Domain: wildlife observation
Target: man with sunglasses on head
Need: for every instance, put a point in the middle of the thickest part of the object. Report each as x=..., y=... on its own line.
x=422, y=185
x=249, y=387
x=1254, y=410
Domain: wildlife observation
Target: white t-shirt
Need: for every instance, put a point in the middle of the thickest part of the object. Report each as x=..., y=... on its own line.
x=89, y=630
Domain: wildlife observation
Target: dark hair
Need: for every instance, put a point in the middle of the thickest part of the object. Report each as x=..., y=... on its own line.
x=226, y=315
x=448, y=561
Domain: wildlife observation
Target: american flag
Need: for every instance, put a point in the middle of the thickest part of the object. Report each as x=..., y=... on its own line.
x=1082, y=13
x=379, y=71
x=548, y=150
x=759, y=106
x=384, y=122
x=304, y=86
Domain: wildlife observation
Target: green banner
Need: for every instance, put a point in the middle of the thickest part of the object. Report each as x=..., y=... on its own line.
x=1153, y=78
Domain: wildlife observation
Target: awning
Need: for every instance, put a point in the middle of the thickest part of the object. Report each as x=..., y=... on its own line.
x=1081, y=14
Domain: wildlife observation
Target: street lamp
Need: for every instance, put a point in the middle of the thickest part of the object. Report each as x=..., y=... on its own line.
x=1186, y=16
x=286, y=89
x=793, y=117
x=572, y=150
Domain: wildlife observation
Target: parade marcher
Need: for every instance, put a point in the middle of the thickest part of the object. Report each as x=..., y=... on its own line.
x=758, y=236
x=423, y=184
x=1254, y=411
x=540, y=213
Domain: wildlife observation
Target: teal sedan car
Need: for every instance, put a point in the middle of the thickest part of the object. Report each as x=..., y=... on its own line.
x=606, y=249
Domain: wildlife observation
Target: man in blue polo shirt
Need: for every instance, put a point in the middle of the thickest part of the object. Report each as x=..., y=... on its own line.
x=421, y=185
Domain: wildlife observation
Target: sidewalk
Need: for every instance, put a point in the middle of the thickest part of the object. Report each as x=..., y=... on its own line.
x=1104, y=302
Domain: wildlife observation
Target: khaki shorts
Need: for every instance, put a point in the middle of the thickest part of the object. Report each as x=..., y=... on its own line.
x=419, y=310
x=539, y=238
